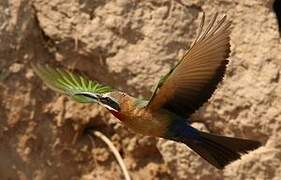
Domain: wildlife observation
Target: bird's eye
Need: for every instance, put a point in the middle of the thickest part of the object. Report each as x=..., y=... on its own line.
x=106, y=100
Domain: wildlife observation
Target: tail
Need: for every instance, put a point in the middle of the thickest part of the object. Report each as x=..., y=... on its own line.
x=218, y=150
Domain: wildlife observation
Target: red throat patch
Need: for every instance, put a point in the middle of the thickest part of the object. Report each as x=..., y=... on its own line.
x=116, y=114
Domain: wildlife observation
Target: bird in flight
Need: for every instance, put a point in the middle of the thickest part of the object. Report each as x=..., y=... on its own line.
x=177, y=95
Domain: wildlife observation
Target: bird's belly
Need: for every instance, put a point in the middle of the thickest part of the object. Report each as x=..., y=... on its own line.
x=152, y=124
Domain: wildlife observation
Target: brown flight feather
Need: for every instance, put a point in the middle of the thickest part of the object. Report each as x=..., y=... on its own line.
x=194, y=79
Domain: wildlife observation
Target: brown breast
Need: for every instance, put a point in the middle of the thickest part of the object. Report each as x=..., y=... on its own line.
x=141, y=120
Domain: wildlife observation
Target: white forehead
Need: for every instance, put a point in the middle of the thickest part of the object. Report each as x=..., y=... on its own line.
x=107, y=94
x=110, y=94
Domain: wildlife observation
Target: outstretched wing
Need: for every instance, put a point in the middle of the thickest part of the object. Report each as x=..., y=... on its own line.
x=69, y=83
x=193, y=80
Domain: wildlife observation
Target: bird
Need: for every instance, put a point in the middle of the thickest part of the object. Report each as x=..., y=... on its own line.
x=177, y=95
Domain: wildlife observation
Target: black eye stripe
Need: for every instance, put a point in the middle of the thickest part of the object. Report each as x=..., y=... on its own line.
x=105, y=100
x=110, y=102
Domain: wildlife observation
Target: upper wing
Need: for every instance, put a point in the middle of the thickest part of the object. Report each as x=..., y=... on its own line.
x=193, y=80
x=70, y=84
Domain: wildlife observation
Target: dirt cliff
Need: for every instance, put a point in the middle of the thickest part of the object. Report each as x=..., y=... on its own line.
x=129, y=44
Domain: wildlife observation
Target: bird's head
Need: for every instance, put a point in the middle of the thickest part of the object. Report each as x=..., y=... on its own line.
x=111, y=100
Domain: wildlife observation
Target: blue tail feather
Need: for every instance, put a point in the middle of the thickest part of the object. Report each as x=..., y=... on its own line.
x=217, y=150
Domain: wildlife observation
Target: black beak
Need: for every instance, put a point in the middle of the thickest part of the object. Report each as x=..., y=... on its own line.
x=93, y=96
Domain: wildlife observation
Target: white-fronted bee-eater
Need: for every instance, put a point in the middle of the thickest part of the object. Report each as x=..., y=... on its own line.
x=177, y=95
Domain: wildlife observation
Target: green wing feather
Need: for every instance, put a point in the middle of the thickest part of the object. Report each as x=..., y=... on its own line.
x=68, y=83
x=158, y=85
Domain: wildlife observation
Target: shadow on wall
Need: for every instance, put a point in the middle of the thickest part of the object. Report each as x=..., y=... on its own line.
x=277, y=10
